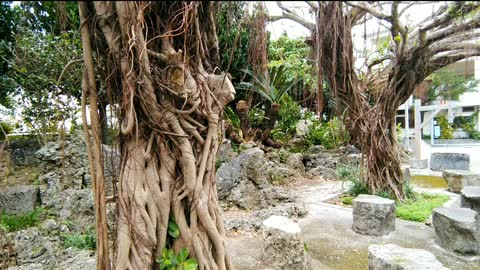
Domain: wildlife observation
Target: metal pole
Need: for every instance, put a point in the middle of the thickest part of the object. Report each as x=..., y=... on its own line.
x=407, y=124
x=418, y=130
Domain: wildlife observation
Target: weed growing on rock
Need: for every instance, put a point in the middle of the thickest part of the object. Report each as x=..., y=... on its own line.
x=12, y=223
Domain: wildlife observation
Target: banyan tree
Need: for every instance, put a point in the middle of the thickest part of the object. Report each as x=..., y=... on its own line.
x=161, y=60
x=370, y=99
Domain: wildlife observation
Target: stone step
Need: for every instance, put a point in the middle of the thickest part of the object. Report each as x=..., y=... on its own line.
x=449, y=161
x=471, y=198
x=457, y=229
x=393, y=257
x=458, y=179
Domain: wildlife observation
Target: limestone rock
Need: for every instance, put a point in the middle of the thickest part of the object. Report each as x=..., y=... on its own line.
x=457, y=229
x=32, y=247
x=252, y=220
x=295, y=161
x=230, y=174
x=246, y=181
x=321, y=171
x=78, y=260
x=471, y=198
x=283, y=246
x=449, y=161
x=225, y=152
x=393, y=257
x=458, y=179
x=18, y=199
x=373, y=215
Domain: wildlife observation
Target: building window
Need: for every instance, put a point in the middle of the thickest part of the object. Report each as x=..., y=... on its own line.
x=468, y=109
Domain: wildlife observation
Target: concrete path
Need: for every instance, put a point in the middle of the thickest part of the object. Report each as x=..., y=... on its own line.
x=333, y=245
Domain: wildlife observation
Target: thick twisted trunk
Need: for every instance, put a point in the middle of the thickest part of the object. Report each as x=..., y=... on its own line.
x=171, y=107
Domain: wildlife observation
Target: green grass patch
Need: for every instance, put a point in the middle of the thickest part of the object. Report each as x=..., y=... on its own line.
x=12, y=223
x=347, y=200
x=420, y=208
x=80, y=241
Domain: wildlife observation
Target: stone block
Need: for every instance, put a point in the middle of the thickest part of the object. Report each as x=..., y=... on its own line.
x=373, y=215
x=458, y=179
x=457, y=229
x=393, y=257
x=18, y=199
x=418, y=163
x=406, y=174
x=283, y=245
x=449, y=161
x=471, y=198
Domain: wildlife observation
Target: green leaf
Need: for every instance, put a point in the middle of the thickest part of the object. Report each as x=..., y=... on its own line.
x=173, y=229
x=191, y=264
x=183, y=255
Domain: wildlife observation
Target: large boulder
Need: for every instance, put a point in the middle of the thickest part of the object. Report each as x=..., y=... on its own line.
x=283, y=245
x=373, y=215
x=449, y=161
x=458, y=179
x=247, y=180
x=241, y=169
x=471, y=198
x=457, y=229
x=295, y=162
x=18, y=199
x=393, y=257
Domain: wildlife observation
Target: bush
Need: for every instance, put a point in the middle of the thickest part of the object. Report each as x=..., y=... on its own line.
x=332, y=134
x=80, y=241
x=12, y=223
x=289, y=115
x=446, y=131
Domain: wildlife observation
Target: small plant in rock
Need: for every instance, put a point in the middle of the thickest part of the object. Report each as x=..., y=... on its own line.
x=352, y=174
x=170, y=261
x=12, y=223
x=80, y=241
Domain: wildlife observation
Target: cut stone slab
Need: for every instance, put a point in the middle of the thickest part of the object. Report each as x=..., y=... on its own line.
x=283, y=245
x=457, y=229
x=393, y=257
x=418, y=163
x=458, y=179
x=471, y=198
x=373, y=215
x=18, y=199
x=449, y=161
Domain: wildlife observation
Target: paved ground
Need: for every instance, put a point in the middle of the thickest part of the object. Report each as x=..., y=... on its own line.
x=333, y=245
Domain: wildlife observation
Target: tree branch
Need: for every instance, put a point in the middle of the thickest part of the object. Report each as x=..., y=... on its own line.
x=287, y=13
x=370, y=9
